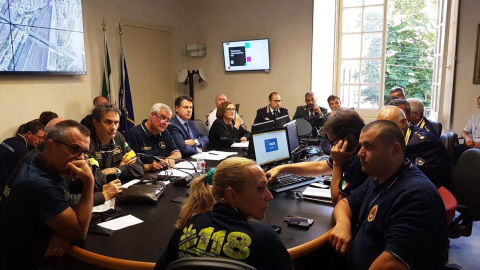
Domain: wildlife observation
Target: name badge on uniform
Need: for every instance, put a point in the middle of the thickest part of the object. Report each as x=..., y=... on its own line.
x=98, y=155
x=146, y=148
x=117, y=150
x=162, y=145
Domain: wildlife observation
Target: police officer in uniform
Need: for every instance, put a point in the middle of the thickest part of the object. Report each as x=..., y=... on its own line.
x=311, y=112
x=273, y=111
x=417, y=118
x=109, y=152
x=423, y=148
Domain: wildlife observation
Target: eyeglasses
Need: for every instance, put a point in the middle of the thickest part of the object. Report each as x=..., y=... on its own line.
x=334, y=141
x=76, y=150
x=231, y=109
x=40, y=137
x=276, y=100
x=298, y=196
x=163, y=119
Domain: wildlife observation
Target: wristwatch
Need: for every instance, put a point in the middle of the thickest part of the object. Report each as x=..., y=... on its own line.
x=118, y=171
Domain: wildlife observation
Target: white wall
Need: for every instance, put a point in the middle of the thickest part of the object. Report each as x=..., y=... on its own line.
x=466, y=93
x=23, y=98
x=288, y=25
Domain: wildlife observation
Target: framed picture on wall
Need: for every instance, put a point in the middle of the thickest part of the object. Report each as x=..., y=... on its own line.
x=476, y=68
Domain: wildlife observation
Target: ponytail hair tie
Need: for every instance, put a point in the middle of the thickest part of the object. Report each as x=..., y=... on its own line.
x=209, y=175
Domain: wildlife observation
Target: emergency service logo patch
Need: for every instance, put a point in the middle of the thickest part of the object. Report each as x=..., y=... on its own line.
x=373, y=213
x=162, y=145
x=419, y=161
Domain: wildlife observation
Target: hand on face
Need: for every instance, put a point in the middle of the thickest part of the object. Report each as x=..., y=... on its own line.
x=80, y=169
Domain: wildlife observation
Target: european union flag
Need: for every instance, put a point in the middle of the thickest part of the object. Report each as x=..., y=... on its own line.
x=127, y=119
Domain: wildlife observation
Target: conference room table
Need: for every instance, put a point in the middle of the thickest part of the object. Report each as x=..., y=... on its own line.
x=140, y=245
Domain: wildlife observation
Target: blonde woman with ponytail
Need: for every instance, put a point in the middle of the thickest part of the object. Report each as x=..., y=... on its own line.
x=214, y=219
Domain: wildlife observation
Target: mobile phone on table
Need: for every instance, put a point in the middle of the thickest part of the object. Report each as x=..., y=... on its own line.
x=299, y=222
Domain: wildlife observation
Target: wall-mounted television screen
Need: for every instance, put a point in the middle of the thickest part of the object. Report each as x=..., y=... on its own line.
x=41, y=36
x=246, y=55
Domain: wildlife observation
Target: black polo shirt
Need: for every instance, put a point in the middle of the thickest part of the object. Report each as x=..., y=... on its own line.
x=11, y=151
x=352, y=177
x=141, y=140
x=405, y=216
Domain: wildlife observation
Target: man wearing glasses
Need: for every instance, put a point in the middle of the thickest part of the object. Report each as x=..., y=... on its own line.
x=273, y=111
x=109, y=151
x=14, y=148
x=152, y=139
x=37, y=221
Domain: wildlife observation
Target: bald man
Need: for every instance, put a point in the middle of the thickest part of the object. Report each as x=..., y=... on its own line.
x=212, y=115
x=423, y=148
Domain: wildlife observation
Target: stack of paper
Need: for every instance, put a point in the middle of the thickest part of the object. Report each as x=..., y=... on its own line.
x=215, y=155
x=322, y=195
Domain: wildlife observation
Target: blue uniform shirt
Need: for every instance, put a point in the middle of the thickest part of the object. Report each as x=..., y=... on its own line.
x=405, y=216
x=141, y=140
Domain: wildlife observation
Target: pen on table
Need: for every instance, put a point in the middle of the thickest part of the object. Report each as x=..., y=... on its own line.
x=215, y=154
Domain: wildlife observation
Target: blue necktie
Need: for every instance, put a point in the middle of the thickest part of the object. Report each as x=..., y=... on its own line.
x=188, y=130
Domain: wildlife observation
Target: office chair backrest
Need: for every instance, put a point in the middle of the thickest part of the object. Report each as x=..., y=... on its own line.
x=304, y=128
x=208, y=263
x=466, y=182
x=438, y=127
x=449, y=140
x=450, y=203
x=200, y=125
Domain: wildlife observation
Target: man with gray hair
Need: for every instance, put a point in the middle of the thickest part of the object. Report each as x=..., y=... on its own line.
x=417, y=118
x=37, y=221
x=152, y=139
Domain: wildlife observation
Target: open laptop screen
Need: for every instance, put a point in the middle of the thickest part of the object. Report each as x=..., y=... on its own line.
x=271, y=146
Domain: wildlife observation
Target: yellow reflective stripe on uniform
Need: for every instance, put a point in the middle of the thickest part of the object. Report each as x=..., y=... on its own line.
x=94, y=162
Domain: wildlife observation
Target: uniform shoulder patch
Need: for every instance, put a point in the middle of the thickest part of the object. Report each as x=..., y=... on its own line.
x=419, y=161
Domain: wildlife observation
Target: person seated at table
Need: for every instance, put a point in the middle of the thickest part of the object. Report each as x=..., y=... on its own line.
x=311, y=113
x=397, y=92
x=273, y=111
x=152, y=138
x=470, y=133
x=417, y=118
x=403, y=105
x=184, y=132
x=396, y=219
x=214, y=219
x=226, y=129
x=343, y=129
x=212, y=115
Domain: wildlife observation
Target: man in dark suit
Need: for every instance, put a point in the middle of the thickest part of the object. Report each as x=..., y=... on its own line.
x=186, y=136
x=311, y=112
x=273, y=111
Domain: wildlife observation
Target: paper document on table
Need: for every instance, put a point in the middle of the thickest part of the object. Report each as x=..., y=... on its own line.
x=185, y=165
x=120, y=223
x=216, y=155
x=240, y=144
x=314, y=192
x=110, y=204
x=132, y=182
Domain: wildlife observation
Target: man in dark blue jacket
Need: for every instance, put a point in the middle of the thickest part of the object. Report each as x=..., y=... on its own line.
x=186, y=136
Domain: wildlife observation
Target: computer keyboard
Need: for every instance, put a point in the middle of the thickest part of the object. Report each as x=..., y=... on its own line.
x=289, y=181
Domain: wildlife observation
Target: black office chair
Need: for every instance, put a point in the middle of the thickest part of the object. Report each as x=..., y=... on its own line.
x=304, y=128
x=449, y=141
x=208, y=263
x=438, y=127
x=200, y=125
x=466, y=184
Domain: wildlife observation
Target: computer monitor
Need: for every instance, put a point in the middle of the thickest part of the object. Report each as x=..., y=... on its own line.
x=293, y=141
x=271, y=146
x=281, y=121
x=267, y=125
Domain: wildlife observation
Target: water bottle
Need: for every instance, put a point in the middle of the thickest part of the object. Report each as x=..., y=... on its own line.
x=200, y=162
